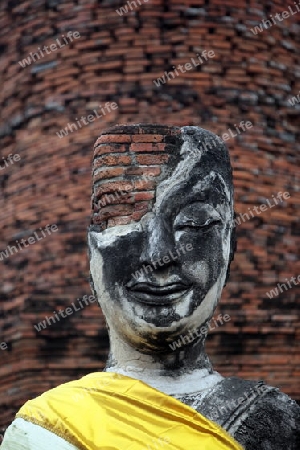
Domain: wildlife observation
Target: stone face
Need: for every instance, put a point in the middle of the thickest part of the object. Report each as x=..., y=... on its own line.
x=116, y=61
x=187, y=230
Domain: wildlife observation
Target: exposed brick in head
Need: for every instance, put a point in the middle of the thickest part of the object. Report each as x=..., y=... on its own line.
x=128, y=162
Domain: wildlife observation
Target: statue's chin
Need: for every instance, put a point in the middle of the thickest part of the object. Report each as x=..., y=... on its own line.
x=160, y=334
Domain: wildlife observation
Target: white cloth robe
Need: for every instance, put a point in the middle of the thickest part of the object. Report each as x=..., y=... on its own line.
x=23, y=435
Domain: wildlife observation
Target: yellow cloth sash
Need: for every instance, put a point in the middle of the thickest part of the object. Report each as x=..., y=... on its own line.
x=108, y=411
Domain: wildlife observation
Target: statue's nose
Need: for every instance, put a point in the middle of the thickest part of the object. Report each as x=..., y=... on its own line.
x=159, y=241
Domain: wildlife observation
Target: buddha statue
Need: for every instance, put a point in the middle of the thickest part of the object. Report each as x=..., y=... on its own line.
x=161, y=241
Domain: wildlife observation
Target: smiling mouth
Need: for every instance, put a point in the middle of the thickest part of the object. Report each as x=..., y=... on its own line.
x=153, y=294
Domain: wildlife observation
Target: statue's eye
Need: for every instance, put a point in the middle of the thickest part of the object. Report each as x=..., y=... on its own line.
x=197, y=224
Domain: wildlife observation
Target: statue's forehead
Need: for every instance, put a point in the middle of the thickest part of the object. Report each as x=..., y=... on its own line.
x=135, y=166
x=190, y=181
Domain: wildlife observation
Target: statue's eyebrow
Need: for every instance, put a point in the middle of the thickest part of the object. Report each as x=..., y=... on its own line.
x=204, y=188
x=197, y=196
x=200, y=194
x=203, y=196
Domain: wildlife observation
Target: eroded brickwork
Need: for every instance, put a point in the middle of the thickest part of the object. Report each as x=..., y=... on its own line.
x=123, y=192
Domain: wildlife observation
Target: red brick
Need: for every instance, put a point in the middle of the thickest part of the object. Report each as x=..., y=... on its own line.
x=152, y=159
x=151, y=172
x=114, y=210
x=112, y=160
x=144, y=184
x=114, y=186
x=147, y=138
x=147, y=147
x=113, y=199
x=113, y=138
x=137, y=215
x=108, y=173
x=144, y=195
x=134, y=171
x=115, y=148
x=141, y=206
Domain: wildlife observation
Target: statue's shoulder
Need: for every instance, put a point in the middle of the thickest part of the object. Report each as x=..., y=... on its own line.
x=264, y=418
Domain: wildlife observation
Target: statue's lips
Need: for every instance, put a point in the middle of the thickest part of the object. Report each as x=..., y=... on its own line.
x=158, y=294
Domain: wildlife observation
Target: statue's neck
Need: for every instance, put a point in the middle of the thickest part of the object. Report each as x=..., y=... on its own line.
x=176, y=372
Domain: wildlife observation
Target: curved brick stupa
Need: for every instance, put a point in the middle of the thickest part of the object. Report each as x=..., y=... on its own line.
x=116, y=59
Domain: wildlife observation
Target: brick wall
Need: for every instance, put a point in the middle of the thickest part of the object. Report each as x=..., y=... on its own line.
x=116, y=59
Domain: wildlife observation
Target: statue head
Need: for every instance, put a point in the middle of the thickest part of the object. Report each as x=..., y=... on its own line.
x=162, y=231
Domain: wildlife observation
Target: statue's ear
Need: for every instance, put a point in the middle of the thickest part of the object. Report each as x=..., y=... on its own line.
x=91, y=281
x=233, y=245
